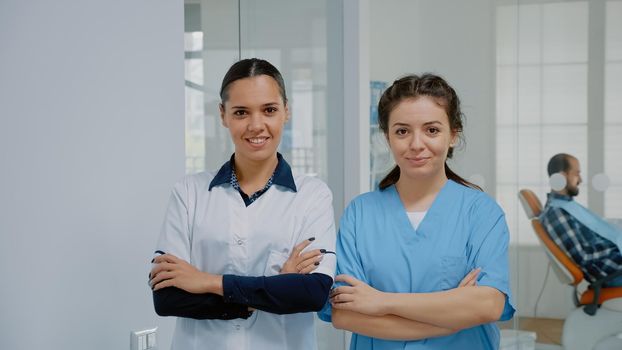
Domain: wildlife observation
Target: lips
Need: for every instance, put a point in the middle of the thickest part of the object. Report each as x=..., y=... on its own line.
x=258, y=141
x=418, y=161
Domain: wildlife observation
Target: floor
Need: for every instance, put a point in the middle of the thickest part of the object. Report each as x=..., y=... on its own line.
x=548, y=330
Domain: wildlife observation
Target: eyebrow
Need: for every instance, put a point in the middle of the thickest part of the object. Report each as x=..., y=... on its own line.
x=424, y=124
x=433, y=122
x=269, y=104
x=400, y=124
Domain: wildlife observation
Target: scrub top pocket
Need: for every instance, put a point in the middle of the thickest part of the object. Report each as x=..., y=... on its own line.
x=453, y=269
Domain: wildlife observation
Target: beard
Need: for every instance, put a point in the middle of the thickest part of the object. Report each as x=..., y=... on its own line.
x=572, y=191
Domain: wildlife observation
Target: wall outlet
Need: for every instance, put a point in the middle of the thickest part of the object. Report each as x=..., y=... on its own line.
x=143, y=340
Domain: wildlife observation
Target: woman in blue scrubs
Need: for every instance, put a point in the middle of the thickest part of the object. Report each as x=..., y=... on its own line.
x=404, y=249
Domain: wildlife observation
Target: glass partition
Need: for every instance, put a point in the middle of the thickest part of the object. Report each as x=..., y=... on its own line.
x=303, y=39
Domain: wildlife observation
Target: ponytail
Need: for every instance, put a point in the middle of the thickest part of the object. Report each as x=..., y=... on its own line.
x=456, y=178
x=390, y=179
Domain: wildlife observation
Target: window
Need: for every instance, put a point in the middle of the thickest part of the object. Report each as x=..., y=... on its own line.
x=542, y=99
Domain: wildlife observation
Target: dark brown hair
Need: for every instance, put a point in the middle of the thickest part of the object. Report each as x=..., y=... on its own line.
x=412, y=87
x=247, y=68
x=559, y=163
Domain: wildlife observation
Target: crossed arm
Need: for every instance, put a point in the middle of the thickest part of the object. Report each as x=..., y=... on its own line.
x=362, y=309
x=179, y=289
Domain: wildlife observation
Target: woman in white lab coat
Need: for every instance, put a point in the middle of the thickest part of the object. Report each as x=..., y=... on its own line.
x=247, y=252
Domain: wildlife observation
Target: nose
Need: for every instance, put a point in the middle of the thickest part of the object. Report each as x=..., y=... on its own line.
x=255, y=123
x=416, y=143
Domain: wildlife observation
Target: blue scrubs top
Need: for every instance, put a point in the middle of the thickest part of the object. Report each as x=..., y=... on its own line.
x=462, y=230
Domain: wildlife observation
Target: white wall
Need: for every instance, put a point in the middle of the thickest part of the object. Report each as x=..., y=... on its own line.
x=456, y=40
x=91, y=140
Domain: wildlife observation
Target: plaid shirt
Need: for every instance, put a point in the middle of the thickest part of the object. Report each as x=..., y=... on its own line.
x=597, y=256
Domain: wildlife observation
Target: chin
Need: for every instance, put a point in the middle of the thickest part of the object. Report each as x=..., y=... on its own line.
x=259, y=155
x=573, y=192
x=418, y=173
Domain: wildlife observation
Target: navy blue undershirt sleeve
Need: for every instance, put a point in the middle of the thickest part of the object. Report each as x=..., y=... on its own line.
x=280, y=294
x=172, y=301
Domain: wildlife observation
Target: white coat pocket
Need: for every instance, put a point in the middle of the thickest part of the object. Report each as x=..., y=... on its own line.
x=275, y=262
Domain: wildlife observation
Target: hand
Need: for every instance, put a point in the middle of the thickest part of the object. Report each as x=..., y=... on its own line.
x=303, y=263
x=470, y=280
x=170, y=271
x=358, y=297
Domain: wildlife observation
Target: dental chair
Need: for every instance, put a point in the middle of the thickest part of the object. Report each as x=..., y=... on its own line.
x=596, y=323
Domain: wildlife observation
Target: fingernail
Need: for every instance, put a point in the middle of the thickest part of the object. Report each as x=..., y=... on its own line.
x=312, y=239
x=322, y=251
x=317, y=263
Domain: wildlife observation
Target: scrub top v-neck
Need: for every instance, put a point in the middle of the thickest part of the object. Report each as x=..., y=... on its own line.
x=462, y=230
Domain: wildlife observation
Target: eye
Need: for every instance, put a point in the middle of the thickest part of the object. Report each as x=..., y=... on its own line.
x=239, y=113
x=401, y=131
x=433, y=130
x=271, y=110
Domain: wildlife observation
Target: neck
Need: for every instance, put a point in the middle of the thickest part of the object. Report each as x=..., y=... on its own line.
x=418, y=194
x=253, y=174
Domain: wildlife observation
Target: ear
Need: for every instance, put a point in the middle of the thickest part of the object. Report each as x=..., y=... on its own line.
x=221, y=108
x=454, y=139
x=287, y=115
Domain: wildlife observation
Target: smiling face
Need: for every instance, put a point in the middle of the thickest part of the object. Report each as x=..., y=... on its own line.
x=420, y=136
x=255, y=114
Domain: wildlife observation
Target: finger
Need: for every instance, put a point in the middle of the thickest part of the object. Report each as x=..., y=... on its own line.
x=467, y=278
x=342, y=306
x=466, y=283
x=164, y=284
x=162, y=267
x=300, y=247
x=473, y=281
x=348, y=279
x=343, y=290
x=309, y=262
x=470, y=278
x=165, y=258
x=313, y=264
x=310, y=254
x=161, y=277
x=475, y=272
x=308, y=269
x=342, y=298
